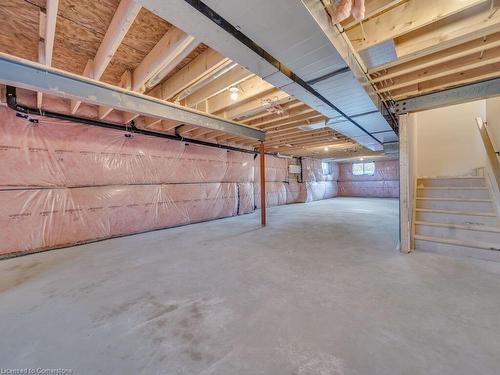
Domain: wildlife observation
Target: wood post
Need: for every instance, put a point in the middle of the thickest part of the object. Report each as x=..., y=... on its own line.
x=262, y=185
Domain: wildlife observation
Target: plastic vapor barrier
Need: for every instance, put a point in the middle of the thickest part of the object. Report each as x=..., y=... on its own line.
x=63, y=183
x=276, y=181
x=383, y=184
x=318, y=185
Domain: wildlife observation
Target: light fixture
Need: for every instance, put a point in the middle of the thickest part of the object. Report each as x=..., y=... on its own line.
x=361, y=158
x=326, y=149
x=234, y=93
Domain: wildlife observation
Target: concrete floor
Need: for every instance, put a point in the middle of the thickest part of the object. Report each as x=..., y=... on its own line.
x=321, y=290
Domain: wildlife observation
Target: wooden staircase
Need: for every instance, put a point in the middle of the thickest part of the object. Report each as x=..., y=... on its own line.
x=456, y=216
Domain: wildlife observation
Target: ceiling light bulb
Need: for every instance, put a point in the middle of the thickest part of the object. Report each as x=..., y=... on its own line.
x=234, y=92
x=326, y=149
x=361, y=159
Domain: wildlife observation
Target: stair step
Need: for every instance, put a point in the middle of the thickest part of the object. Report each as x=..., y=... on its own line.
x=478, y=250
x=475, y=233
x=470, y=181
x=456, y=217
x=456, y=204
x=453, y=192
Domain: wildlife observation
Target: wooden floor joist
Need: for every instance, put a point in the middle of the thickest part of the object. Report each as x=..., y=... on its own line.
x=438, y=45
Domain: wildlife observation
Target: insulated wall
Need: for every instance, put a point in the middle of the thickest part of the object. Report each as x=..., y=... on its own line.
x=276, y=181
x=318, y=185
x=63, y=183
x=281, y=189
x=383, y=184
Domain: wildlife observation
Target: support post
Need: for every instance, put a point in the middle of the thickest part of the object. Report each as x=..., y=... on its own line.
x=405, y=193
x=262, y=184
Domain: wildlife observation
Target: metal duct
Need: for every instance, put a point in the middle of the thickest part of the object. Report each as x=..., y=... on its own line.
x=391, y=148
x=299, y=60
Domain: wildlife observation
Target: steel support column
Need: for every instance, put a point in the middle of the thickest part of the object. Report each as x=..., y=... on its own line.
x=262, y=184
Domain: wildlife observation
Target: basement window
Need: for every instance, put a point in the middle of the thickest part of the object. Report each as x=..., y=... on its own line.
x=367, y=169
x=325, y=167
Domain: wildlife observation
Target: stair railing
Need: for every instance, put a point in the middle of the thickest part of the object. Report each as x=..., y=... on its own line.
x=492, y=165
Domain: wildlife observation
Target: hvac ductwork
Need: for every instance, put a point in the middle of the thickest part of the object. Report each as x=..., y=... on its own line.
x=300, y=60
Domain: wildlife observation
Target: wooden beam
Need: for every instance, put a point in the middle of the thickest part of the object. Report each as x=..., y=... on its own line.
x=229, y=138
x=263, y=114
x=459, y=29
x=233, y=77
x=169, y=124
x=283, y=130
x=129, y=116
x=237, y=140
x=372, y=9
x=123, y=18
x=444, y=98
x=47, y=31
x=248, y=89
x=473, y=75
x=87, y=72
x=172, y=48
x=126, y=83
x=332, y=144
x=299, y=133
x=307, y=140
x=151, y=121
x=294, y=131
x=256, y=105
x=183, y=130
x=50, y=29
x=295, y=124
x=261, y=121
x=463, y=64
x=316, y=144
x=305, y=115
x=475, y=46
x=405, y=18
x=213, y=135
x=200, y=132
x=197, y=69
x=103, y=112
x=325, y=135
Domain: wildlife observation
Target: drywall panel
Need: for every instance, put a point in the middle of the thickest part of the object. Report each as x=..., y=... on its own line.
x=448, y=140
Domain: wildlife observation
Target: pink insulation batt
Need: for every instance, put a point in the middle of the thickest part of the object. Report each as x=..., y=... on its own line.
x=317, y=185
x=276, y=181
x=63, y=183
x=383, y=184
